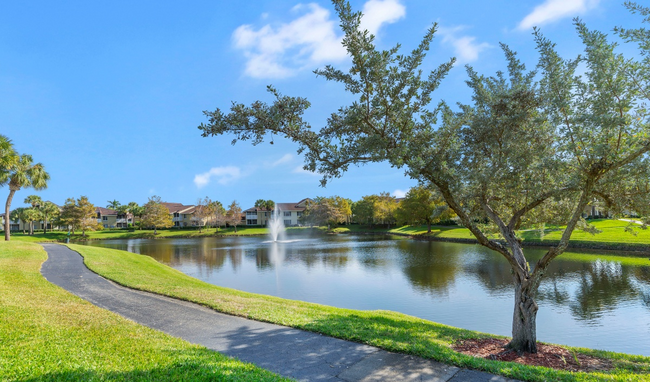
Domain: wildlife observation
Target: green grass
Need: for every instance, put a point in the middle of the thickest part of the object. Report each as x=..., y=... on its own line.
x=613, y=234
x=388, y=330
x=47, y=334
x=60, y=236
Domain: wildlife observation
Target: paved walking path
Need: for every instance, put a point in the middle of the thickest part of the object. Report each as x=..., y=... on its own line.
x=293, y=353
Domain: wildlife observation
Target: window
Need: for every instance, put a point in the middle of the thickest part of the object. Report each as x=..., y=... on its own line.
x=176, y=214
x=287, y=222
x=251, y=222
x=299, y=213
x=287, y=213
x=104, y=218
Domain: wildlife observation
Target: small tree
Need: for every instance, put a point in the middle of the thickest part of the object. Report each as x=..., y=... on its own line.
x=234, y=214
x=79, y=214
x=385, y=207
x=156, y=215
x=202, y=212
x=113, y=205
x=219, y=215
x=325, y=211
x=86, y=215
x=420, y=205
x=69, y=216
x=364, y=210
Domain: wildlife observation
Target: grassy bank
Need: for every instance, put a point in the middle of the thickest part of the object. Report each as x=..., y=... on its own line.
x=60, y=236
x=613, y=235
x=389, y=330
x=47, y=334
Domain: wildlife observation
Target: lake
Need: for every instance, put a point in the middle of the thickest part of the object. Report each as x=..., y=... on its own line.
x=594, y=300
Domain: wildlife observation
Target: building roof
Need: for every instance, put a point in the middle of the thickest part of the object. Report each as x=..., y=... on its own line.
x=299, y=206
x=178, y=208
x=105, y=211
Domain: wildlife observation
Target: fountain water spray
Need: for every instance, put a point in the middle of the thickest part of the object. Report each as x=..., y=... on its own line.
x=276, y=225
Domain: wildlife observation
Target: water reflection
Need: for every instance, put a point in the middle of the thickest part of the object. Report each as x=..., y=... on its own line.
x=456, y=284
x=602, y=286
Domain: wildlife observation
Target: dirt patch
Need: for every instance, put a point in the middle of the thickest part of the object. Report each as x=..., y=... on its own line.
x=547, y=355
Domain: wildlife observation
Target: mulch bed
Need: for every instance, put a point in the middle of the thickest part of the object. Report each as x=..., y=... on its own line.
x=547, y=355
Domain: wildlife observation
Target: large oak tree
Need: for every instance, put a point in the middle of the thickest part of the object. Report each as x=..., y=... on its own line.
x=531, y=147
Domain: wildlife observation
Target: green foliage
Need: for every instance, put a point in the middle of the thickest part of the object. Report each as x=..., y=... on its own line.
x=8, y=158
x=375, y=209
x=156, y=215
x=268, y=205
x=326, y=211
x=422, y=206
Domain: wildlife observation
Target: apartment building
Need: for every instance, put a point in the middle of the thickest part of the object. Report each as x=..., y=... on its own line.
x=181, y=214
x=289, y=212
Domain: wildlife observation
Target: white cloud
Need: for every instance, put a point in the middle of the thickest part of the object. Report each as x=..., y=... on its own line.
x=301, y=170
x=466, y=49
x=286, y=158
x=312, y=38
x=399, y=193
x=379, y=12
x=224, y=174
x=551, y=10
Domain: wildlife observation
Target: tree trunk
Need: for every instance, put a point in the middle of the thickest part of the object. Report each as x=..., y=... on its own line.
x=7, y=207
x=45, y=226
x=428, y=226
x=524, y=321
x=31, y=228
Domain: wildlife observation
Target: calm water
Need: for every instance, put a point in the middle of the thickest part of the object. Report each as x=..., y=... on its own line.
x=595, y=301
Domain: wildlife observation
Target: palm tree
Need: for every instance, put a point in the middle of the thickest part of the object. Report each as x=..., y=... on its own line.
x=8, y=158
x=36, y=202
x=22, y=174
x=31, y=215
x=123, y=210
x=113, y=205
x=49, y=210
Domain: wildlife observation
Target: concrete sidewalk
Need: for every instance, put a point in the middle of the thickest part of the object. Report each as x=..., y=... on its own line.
x=293, y=353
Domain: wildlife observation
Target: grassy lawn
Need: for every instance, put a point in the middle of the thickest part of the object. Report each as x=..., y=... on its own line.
x=60, y=236
x=388, y=330
x=613, y=233
x=47, y=334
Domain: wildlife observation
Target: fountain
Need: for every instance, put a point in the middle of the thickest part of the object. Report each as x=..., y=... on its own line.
x=276, y=225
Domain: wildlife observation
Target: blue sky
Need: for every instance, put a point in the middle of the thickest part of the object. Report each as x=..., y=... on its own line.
x=108, y=96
